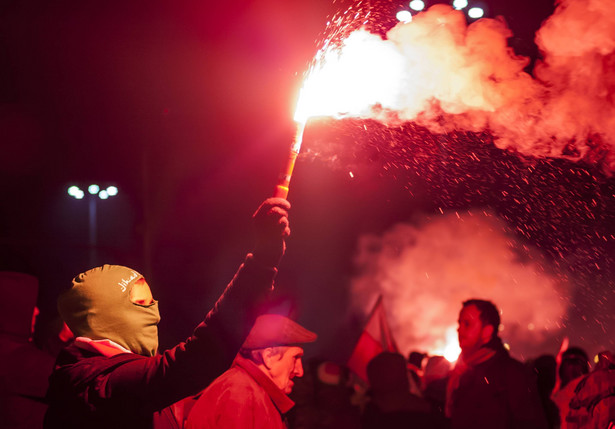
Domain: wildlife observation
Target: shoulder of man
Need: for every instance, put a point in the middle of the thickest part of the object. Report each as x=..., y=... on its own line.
x=79, y=366
x=235, y=379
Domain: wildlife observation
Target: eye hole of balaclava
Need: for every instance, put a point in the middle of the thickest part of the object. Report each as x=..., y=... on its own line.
x=141, y=293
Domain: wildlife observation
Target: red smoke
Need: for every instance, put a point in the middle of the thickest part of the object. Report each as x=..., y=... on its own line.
x=425, y=271
x=444, y=74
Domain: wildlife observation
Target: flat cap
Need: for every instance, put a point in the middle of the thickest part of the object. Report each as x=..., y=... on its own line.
x=271, y=330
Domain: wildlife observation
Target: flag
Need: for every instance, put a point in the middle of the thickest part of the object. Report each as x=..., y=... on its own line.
x=375, y=338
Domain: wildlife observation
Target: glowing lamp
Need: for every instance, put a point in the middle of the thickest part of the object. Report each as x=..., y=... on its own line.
x=417, y=5
x=75, y=192
x=103, y=195
x=460, y=4
x=476, y=12
x=404, y=16
x=112, y=191
x=93, y=189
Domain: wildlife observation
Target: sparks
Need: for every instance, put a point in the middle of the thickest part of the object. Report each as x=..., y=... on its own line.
x=351, y=79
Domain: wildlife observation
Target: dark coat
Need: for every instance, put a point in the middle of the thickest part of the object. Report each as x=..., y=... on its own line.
x=24, y=369
x=88, y=390
x=500, y=393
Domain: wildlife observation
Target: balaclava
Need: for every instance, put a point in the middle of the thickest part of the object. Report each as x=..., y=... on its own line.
x=98, y=306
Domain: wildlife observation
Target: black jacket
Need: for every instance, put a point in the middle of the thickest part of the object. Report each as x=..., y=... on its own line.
x=500, y=393
x=88, y=390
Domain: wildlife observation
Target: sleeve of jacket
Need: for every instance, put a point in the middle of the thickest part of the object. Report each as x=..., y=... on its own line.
x=526, y=407
x=150, y=384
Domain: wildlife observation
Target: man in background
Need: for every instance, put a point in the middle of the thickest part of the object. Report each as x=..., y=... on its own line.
x=488, y=388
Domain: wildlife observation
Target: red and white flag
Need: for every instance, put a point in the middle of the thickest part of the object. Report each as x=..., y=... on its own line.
x=375, y=338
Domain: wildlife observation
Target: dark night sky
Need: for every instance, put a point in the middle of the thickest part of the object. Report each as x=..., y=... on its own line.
x=187, y=107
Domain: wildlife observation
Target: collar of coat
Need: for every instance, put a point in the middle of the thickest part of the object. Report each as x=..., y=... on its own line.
x=282, y=402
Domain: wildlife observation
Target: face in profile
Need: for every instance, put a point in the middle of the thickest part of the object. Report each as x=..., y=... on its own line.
x=286, y=366
x=471, y=332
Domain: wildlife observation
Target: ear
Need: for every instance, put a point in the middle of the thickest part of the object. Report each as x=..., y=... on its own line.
x=268, y=357
x=487, y=333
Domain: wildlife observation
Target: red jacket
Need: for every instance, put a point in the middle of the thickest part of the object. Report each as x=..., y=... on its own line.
x=243, y=397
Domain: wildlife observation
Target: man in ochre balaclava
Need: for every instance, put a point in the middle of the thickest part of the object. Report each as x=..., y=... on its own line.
x=112, y=375
x=113, y=306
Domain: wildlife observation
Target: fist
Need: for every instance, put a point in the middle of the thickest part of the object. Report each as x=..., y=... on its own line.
x=272, y=227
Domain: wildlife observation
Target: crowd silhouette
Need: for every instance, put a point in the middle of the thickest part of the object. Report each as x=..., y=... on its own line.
x=485, y=387
x=401, y=392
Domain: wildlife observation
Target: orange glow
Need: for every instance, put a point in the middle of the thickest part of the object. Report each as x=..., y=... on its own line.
x=350, y=79
x=450, y=349
x=281, y=189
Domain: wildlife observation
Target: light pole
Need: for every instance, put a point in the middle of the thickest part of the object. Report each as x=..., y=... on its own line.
x=95, y=193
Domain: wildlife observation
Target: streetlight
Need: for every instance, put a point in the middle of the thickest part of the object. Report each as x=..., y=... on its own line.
x=460, y=4
x=476, y=12
x=417, y=5
x=404, y=16
x=94, y=191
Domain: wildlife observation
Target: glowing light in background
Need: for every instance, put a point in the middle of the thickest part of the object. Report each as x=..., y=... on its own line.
x=450, y=350
x=425, y=271
x=404, y=16
x=95, y=191
x=460, y=4
x=417, y=5
x=112, y=191
x=75, y=192
x=476, y=12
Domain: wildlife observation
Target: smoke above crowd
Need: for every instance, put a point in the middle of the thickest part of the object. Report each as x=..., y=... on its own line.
x=425, y=270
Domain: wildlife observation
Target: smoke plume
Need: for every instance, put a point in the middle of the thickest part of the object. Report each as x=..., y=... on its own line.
x=444, y=74
x=425, y=271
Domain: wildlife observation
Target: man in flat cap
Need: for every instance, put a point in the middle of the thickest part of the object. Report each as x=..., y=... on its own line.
x=112, y=376
x=253, y=392
x=488, y=388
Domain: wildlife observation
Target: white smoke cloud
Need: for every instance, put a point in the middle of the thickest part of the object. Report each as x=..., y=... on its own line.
x=568, y=109
x=424, y=273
